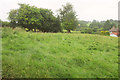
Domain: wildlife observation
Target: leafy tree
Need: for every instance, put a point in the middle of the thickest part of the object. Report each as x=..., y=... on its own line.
x=86, y=30
x=56, y=25
x=49, y=22
x=29, y=17
x=5, y=23
x=107, y=25
x=13, y=18
x=114, y=22
x=95, y=24
x=68, y=17
x=83, y=23
x=34, y=18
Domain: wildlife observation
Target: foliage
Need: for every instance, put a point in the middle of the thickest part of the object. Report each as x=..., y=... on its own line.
x=81, y=24
x=4, y=23
x=114, y=22
x=86, y=30
x=95, y=24
x=13, y=14
x=105, y=33
x=95, y=27
x=68, y=17
x=107, y=25
x=31, y=17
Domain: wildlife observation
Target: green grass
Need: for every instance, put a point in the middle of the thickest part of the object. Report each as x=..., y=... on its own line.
x=58, y=55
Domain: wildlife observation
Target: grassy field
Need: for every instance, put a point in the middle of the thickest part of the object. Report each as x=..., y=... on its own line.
x=58, y=55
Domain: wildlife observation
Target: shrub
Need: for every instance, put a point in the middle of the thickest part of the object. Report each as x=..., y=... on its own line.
x=104, y=33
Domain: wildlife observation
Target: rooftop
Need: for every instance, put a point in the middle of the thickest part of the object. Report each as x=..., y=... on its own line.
x=114, y=29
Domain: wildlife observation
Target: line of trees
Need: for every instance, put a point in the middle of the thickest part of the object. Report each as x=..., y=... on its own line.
x=4, y=23
x=96, y=26
x=40, y=19
x=33, y=18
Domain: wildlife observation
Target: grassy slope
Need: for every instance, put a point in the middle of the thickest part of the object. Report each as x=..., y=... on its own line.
x=58, y=55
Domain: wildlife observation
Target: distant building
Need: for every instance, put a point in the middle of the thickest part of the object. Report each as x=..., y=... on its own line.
x=114, y=32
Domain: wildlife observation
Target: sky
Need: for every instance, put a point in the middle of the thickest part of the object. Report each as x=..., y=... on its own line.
x=87, y=10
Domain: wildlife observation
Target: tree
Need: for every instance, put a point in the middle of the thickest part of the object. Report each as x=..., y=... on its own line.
x=68, y=17
x=83, y=23
x=13, y=18
x=107, y=25
x=49, y=22
x=34, y=18
x=56, y=25
x=29, y=17
x=114, y=22
x=95, y=24
x=5, y=23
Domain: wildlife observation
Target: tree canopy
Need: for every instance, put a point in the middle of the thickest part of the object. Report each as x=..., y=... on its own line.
x=68, y=17
x=32, y=17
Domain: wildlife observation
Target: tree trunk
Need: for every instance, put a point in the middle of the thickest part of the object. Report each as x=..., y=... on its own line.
x=69, y=31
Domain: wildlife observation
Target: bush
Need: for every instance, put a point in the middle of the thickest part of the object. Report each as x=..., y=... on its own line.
x=5, y=24
x=104, y=33
x=34, y=19
x=87, y=30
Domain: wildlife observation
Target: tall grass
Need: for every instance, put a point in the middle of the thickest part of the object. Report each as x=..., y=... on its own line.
x=58, y=55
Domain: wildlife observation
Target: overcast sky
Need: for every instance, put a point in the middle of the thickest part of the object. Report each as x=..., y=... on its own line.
x=85, y=9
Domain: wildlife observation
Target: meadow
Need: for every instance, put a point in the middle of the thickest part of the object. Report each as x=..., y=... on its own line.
x=58, y=55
